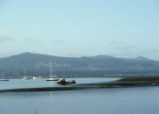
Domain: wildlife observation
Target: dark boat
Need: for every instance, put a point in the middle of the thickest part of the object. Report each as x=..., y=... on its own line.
x=4, y=80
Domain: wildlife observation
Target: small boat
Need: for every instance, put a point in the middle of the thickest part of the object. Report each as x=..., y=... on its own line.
x=27, y=78
x=52, y=78
x=64, y=82
x=4, y=79
x=34, y=77
x=61, y=81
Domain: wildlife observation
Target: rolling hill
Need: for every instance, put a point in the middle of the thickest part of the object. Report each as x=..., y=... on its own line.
x=102, y=65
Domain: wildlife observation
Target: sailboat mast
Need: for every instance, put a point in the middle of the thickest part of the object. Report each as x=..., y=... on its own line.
x=51, y=69
x=24, y=71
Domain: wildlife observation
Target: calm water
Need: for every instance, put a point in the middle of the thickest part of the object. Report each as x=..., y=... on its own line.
x=37, y=83
x=137, y=100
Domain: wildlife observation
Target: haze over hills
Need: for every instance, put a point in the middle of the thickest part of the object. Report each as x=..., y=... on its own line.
x=38, y=65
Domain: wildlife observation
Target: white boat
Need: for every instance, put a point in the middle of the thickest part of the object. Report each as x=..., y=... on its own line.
x=34, y=77
x=52, y=78
x=27, y=78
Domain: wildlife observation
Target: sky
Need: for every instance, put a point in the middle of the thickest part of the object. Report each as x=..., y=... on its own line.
x=73, y=28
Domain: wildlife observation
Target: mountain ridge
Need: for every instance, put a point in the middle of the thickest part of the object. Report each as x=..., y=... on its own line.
x=101, y=65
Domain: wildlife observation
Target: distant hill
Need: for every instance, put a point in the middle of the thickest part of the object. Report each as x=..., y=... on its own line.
x=38, y=64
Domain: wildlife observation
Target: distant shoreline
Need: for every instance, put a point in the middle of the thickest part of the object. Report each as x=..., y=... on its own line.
x=132, y=81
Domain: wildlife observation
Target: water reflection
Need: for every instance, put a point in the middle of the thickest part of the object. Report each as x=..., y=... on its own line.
x=110, y=100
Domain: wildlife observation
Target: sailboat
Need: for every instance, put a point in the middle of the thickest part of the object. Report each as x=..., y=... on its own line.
x=25, y=76
x=52, y=78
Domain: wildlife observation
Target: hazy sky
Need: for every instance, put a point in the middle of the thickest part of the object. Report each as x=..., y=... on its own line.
x=123, y=28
